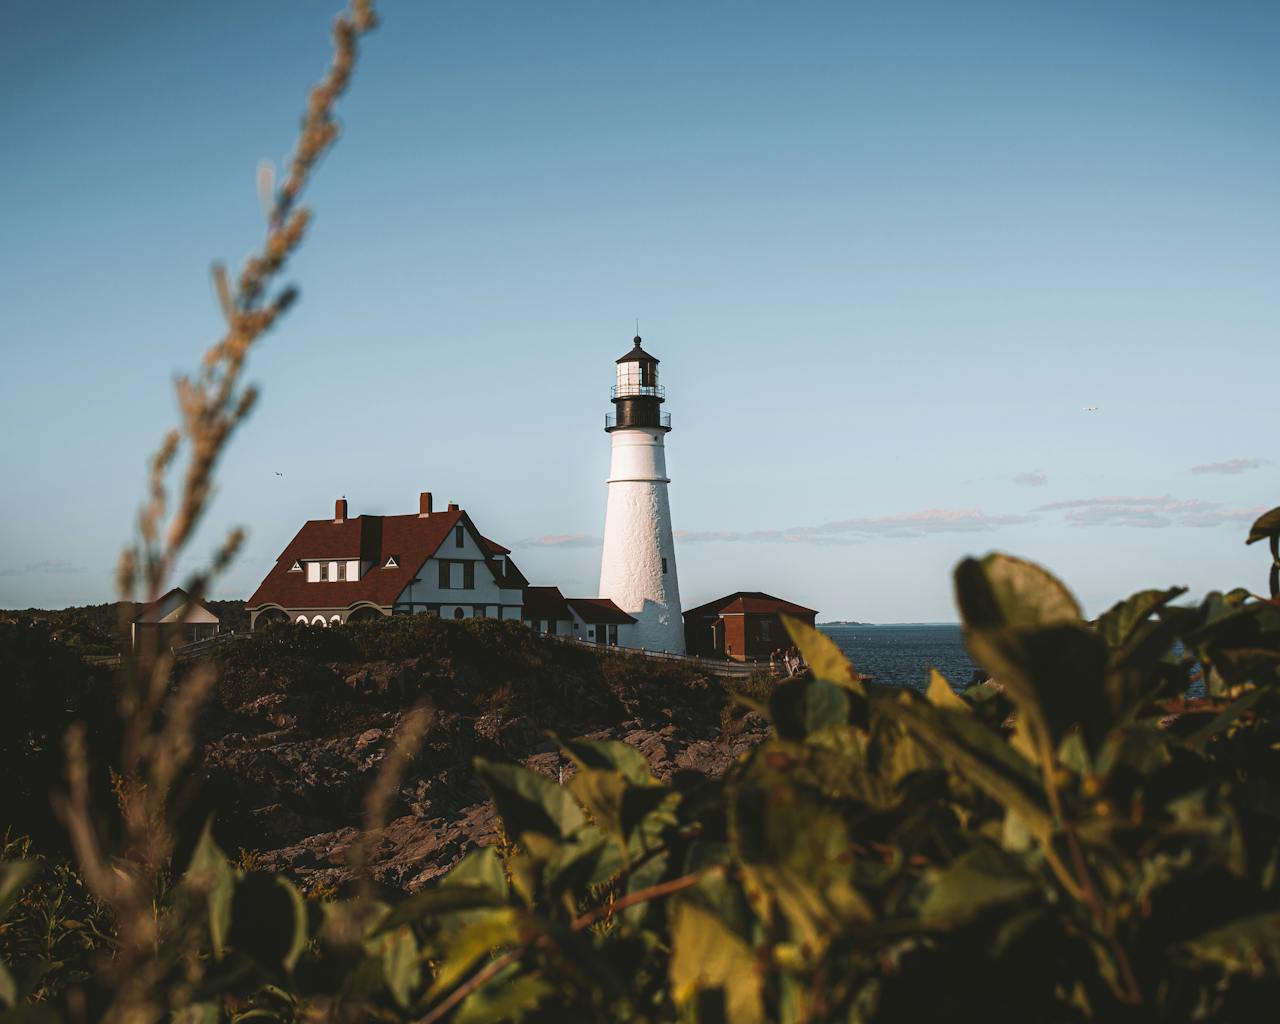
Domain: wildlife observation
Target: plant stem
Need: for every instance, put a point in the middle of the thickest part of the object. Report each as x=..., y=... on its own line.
x=586, y=920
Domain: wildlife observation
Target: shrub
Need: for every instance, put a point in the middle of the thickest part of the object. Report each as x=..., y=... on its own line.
x=1107, y=851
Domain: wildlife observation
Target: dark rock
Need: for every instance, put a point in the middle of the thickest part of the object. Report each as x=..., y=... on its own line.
x=289, y=768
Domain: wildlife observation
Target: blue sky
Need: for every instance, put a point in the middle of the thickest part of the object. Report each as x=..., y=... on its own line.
x=888, y=254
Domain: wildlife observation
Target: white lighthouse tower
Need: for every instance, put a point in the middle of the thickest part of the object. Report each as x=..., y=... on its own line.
x=638, y=567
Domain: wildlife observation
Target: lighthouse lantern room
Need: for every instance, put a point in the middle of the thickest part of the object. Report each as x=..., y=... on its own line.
x=638, y=565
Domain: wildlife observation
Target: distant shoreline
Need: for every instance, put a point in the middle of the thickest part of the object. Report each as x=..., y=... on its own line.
x=883, y=625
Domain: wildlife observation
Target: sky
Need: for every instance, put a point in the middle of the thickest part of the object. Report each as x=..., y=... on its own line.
x=891, y=255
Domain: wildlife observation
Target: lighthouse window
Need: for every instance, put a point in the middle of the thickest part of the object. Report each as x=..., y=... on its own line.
x=664, y=567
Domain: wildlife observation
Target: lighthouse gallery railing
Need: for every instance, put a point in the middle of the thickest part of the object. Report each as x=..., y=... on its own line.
x=611, y=420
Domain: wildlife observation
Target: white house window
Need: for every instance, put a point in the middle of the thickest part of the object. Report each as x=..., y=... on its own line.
x=458, y=613
x=445, y=575
x=459, y=536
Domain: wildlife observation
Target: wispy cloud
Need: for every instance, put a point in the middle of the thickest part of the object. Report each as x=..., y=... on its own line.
x=48, y=567
x=560, y=540
x=920, y=524
x=1030, y=478
x=1230, y=466
x=1148, y=511
x=857, y=530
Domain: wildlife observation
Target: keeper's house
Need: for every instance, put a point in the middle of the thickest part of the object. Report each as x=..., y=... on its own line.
x=741, y=626
x=347, y=569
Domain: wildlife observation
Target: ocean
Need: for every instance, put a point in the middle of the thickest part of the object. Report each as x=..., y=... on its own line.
x=901, y=655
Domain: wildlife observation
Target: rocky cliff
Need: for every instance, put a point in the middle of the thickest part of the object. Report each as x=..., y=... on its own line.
x=304, y=717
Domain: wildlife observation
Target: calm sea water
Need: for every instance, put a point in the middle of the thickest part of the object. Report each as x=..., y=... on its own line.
x=903, y=655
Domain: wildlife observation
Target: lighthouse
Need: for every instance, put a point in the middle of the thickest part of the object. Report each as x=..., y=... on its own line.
x=638, y=566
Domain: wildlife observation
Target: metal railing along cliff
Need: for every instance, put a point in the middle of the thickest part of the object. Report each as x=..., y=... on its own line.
x=736, y=669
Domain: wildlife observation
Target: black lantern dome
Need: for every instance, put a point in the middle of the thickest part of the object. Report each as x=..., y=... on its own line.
x=637, y=395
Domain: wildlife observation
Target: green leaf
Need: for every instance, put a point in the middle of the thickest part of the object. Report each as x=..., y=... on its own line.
x=940, y=694
x=826, y=704
x=447, y=898
x=1220, y=721
x=1248, y=946
x=503, y=998
x=530, y=802
x=802, y=707
x=980, y=878
x=602, y=792
x=15, y=875
x=300, y=937
x=1003, y=591
x=1119, y=623
x=8, y=987
x=705, y=954
x=610, y=755
x=979, y=755
x=586, y=859
x=1266, y=525
x=486, y=935
x=1056, y=675
x=268, y=920
x=824, y=658
x=401, y=965
x=480, y=867
x=209, y=873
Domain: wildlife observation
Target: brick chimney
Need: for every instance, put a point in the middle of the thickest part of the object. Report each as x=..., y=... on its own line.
x=340, y=510
x=424, y=504
x=453, y=506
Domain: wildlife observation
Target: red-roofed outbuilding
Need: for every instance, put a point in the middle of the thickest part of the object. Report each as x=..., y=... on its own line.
x=741, y=626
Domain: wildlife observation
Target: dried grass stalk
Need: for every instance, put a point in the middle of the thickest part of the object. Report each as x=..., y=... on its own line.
x=159, y=718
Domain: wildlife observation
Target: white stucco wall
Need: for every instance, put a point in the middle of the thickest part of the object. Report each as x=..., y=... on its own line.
x=637, y=537
x=485, y=592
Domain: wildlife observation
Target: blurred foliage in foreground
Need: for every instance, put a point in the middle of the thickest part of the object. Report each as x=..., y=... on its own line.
x=1073, y=841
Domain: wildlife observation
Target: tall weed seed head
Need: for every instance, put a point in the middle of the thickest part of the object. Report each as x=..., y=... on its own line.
x=156, y=944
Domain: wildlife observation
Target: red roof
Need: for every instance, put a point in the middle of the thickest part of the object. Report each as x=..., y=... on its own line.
x=598, y=611
x=545, y=603
x=411, y=538
x=750, y=602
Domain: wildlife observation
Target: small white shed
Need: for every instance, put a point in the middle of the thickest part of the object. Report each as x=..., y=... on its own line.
x=175, y=618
